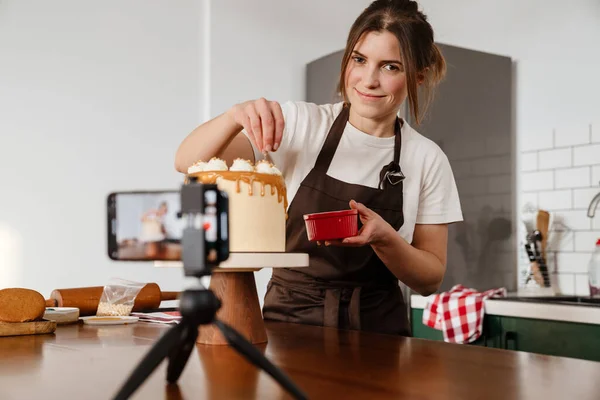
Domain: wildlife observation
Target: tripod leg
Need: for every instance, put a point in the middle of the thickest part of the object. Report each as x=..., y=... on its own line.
x=179, y=357
x=249, y=352
x=153, y=358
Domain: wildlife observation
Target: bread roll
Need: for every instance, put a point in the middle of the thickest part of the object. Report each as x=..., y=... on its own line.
x=21, y=305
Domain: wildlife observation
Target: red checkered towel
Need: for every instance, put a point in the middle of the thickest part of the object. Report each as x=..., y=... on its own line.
x=458, y=313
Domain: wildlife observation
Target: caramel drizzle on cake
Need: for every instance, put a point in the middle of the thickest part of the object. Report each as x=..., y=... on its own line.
x=275, y=181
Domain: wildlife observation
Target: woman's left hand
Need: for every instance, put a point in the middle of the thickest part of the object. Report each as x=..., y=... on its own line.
x=375, y=230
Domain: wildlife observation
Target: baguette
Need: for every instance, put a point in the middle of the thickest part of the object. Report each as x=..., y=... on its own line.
x=21, y=305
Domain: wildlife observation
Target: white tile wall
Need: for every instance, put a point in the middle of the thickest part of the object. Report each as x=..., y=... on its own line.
x=566, y=283
x=540, y=139
x=572, y=178
x=563, y=241
x=567, y=262
x=561, y=174
x=581, y=284
x=575, y=219
x=555, y=200
x=586, y=155
x=528, y=198
x=583, y=197
x=536, y=181
x=529, y=161
x=559, y=158
x=596, y=175
x=586, y=241
x=596, y=133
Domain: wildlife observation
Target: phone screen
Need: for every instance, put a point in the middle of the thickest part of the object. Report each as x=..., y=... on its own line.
x=145, y=226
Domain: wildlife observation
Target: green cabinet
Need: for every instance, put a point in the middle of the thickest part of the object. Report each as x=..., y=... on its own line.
x=491, y=337
x=565, y=339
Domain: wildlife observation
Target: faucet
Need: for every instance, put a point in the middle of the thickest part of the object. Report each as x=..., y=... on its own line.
x=593, y=205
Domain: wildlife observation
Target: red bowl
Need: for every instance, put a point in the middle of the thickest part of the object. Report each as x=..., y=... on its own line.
x=331, y=225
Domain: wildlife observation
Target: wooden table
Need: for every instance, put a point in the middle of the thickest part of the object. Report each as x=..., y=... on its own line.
x=85, y=362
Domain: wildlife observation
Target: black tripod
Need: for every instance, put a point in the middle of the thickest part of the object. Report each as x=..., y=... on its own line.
x=198, y=307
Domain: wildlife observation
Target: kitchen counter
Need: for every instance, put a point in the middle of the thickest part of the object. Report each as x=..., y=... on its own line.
x=90, y=362
x=525, y=307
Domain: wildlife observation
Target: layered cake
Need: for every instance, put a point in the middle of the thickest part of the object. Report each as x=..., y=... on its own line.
x=257, y=202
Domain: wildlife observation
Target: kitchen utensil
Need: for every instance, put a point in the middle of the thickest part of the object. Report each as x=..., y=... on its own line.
x=87, y=298
x=534, y=240
x=27, y=328
x=535, y=267
x=542, y=225
x=331, y=225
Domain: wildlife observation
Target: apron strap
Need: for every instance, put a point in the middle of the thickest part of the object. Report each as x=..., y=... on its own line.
x=332, y=140
x=392, y=174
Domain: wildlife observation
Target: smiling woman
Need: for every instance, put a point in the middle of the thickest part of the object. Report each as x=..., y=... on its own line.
x=354, y=154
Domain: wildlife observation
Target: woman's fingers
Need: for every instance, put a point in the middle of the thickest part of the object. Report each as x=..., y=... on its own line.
x=279, y=124
x=245, y=122
x=267, y=123
x=361, y=208
x=263, y=121
x=256, y=125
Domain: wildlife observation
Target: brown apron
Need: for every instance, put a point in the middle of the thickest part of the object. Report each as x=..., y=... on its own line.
x=343, y=287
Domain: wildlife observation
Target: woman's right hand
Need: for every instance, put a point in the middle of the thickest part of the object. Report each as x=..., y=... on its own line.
x=262, y=120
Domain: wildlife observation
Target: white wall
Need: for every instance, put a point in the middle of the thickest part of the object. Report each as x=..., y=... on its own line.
x=94, y=97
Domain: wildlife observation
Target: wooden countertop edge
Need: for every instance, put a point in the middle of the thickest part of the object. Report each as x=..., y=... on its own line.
x=521, y=309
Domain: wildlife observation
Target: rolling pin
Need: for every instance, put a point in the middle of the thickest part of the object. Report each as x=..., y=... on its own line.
x=87, y=298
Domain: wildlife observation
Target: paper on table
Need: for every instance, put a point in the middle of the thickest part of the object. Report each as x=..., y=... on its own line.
x=166, y=317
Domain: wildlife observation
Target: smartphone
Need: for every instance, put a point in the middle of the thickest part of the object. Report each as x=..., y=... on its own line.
x=144, y=225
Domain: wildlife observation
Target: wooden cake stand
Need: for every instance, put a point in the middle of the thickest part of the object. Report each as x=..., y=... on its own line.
x=233, y=283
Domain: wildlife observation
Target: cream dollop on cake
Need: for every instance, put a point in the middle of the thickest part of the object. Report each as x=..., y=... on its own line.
x=239, y=164
x=265, y=167
x=198, y=166
x=216, y=164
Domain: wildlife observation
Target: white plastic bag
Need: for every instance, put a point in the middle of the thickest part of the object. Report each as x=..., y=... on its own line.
x=118, y=297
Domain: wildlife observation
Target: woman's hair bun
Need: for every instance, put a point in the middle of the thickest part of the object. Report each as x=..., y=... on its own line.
x=405, y=5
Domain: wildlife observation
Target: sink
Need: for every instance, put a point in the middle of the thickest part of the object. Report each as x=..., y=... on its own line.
x=570, y=300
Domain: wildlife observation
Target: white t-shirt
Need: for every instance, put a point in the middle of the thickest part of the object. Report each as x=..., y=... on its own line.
x=429, y=192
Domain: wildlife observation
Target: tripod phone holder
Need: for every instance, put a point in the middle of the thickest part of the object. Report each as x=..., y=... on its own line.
x=205, y=244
